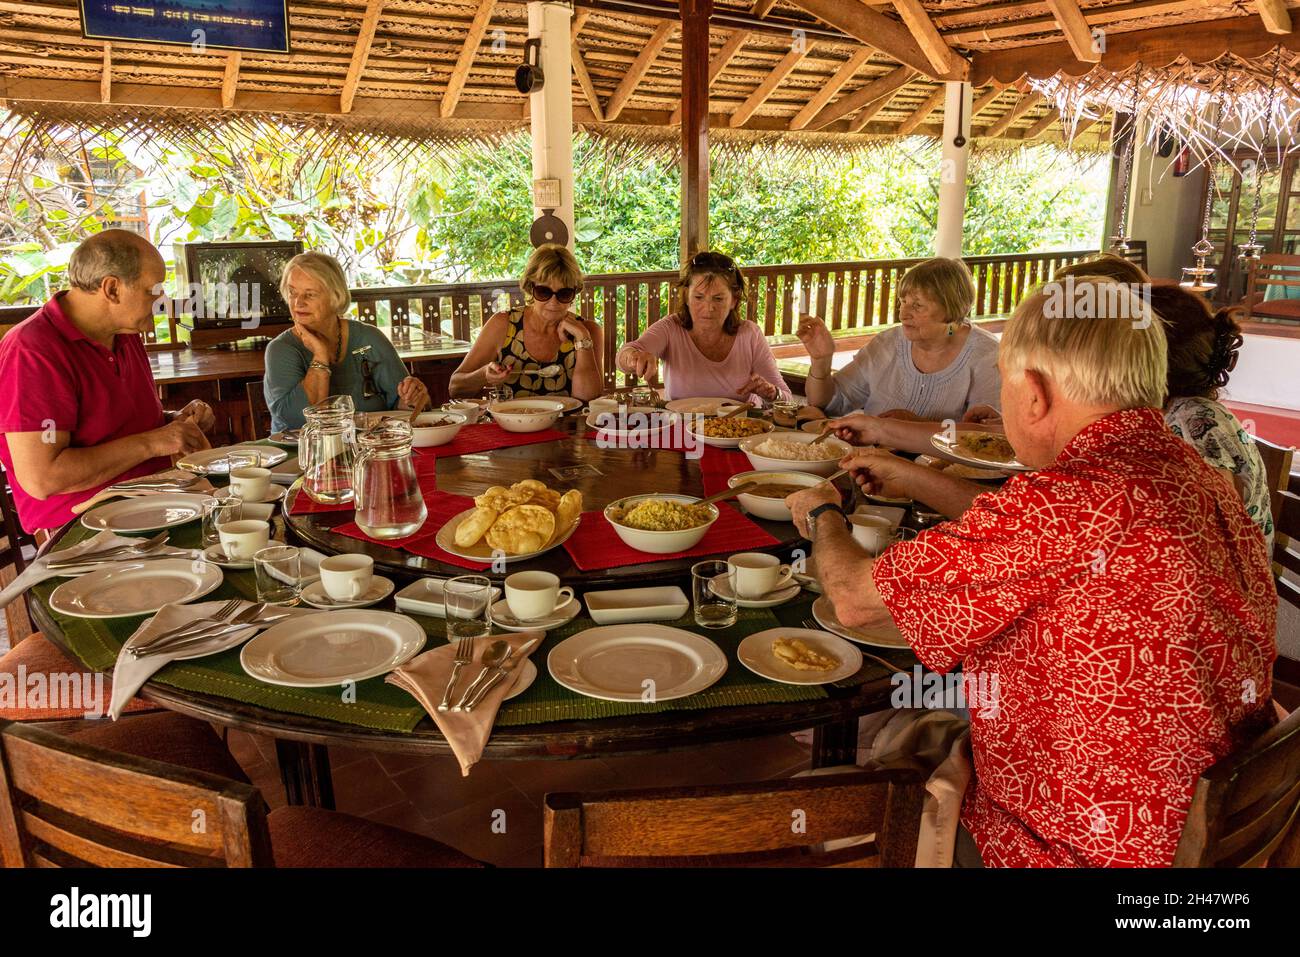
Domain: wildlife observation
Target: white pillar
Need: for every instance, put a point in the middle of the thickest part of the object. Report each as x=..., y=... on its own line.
x=952, y=169
x=552, y=106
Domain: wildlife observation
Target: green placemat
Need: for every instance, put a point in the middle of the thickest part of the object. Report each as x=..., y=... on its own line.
x=378, y=705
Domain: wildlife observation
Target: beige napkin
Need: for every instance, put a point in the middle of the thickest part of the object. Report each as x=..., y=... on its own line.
x=201, y=487
x=425, y=677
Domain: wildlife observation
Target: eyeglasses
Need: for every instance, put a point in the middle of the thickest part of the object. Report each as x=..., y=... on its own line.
x=369, y=389
x=544, y=293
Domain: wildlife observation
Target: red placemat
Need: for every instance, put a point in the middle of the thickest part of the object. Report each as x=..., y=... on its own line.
x=442, y=507
x=302, y=504
x=485, y=437
x=596, y=546
x=718, y=465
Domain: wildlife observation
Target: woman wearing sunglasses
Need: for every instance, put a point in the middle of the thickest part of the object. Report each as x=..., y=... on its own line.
x=514, y=348
x=706, y=349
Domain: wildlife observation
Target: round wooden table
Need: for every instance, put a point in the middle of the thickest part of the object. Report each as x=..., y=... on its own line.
x=302, y=742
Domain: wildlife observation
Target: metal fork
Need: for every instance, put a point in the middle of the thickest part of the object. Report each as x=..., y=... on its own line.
x=464, y=655
x=236, y=624
x=813, y=625
x=218, y=617
x=140, y=548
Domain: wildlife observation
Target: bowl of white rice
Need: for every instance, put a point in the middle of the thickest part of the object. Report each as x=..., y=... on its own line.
x=788, y=451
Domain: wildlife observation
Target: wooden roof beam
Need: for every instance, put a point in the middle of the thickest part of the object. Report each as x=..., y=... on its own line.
x=1276, y=17
x=909, y=125
x=1023, y=106
x=868, y=113
x=366, y=36
x=1080, y=127
x=881, y=87
x=923, y=30
x=1040, y=127
x=831, y=87
x=580, y=65
x=106, y=76
x=230, y=79
x=1077, y=32
x=770, y=83
x=719, y=63
x=639, y=68
x=985, y=99
x=460, y=72
x=855, y=18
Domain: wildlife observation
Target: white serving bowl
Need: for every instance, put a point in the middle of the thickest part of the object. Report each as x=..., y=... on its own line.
x=836, y=449
x=631, y=420
x=772, y=509
x=696, y=424
x=423, y=435
x=526, y=415
x=660, y=543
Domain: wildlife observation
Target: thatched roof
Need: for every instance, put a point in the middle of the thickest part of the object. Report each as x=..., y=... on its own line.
x=444, y=69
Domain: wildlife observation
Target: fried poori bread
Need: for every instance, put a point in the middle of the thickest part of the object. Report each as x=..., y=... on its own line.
x=568, y=509
x=522, y=529
x=475, y=525
x=537, y=494
x=497, y=498
x=800, y=656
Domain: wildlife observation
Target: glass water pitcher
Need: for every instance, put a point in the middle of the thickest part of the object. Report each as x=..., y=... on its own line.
x=327, y=450
x=389, y=503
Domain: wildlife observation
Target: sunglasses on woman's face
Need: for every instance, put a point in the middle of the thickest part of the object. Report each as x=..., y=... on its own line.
x=544, y=293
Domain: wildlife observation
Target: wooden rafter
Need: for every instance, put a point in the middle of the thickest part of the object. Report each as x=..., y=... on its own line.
x=719, y=63
x=1276, y=17
x=1080, y=127
x=890, y=37
x=639, y=68
x=769, y=84
x=831, y=87
x=360, y=53
x=1076, y=29
x=230, y=79
x=986, y=99
x=106, y=76
x=868, y=113
x=882, y=86
x=460, y=72
x=580, y=65
x=922, y=112
x=1026, y=103
x=934, y=46
x=1040, y=127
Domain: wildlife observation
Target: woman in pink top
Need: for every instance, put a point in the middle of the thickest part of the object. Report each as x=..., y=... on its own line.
x=706, y=348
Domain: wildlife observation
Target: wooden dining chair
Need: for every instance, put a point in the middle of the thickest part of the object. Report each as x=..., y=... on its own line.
x=1246, y=808
x=16, y=546
x=1286, y=547
x=766, y=824
x=259, y=414
x=1277, y=470
x=67, y=801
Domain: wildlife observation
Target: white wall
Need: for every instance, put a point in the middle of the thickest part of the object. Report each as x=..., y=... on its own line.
x=1165, y=211
x=1266, y=373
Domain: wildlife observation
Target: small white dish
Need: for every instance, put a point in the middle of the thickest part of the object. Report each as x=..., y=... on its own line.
x=139, y=588
x=892, y=513
x=380, y=588
x=756, y=654
x=274, y=494
x=217, y=555
x=324, y=651
x=621, y=605
x=429, y=429
x=637, y=663
x=720, y=587
x=526, y=415
x=425, y=597
x=146, y=513
x=504, y=619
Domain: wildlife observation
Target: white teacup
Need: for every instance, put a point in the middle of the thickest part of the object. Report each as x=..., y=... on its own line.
x=347, y=577
x=875, y=533
x=757, y=574
x=534, y=595
x=471, y=410
x=250, y=484
x=243, y=539
x=597, y=406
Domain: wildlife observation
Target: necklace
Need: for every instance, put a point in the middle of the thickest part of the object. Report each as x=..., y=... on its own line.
x=338, y=349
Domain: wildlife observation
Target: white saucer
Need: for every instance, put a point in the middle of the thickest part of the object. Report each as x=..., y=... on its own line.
x=273, y=494
x=783, y=594
x=217, y=555
x=503, y=619
x=314, y=595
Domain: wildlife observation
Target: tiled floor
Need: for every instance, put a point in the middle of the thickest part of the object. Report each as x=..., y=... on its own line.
x=495, y=813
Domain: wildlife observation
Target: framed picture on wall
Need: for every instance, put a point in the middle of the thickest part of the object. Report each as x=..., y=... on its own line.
x=254, y=25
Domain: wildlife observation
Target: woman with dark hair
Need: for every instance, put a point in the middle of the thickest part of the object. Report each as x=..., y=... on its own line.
x=706, y=348
x=1203, y=348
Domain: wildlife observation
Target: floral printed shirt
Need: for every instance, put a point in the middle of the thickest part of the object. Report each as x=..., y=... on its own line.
x=1126, y=608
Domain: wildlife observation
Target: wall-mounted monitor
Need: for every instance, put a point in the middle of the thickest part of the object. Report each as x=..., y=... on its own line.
x=233, y=284
x=254, y=25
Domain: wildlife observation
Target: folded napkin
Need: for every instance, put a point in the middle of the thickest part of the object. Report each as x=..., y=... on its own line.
x=425, y=676
x=39, y=570
x=130, y=673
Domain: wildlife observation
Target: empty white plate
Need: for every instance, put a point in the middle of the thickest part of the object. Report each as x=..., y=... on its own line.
x=146, y=513
x=886, y=636
x=135, y=589
x=756, y=654
x=326, y=650
x=644, y=663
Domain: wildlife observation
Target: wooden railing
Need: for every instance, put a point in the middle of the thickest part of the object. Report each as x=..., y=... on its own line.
x=850, y=296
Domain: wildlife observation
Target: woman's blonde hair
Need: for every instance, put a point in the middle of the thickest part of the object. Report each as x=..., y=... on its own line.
x=327, y=271
x=947, y=281
x=1101, y=344
x=551, y=265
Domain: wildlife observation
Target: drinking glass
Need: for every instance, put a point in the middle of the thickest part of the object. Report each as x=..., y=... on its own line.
x=217, y=512
x=711, y=609
x=467, y=606
x=279, y=574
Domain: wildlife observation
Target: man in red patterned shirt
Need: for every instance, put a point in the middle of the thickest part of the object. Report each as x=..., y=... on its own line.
x=1120, y=594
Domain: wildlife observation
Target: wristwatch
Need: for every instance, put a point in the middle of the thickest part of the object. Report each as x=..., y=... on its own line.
x=816, y=513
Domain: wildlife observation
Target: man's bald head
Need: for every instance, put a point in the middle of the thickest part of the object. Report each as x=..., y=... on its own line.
x=113, y=252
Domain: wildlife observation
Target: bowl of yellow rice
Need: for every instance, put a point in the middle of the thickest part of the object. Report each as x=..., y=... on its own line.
x=661, y=524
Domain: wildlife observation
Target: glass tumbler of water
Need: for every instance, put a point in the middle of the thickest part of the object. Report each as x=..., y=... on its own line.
x=714, y=608
x=467, y=606
x=279, y=574
x=217, y=512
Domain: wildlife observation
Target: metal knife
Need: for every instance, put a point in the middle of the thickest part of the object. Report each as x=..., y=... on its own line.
x=502, y=670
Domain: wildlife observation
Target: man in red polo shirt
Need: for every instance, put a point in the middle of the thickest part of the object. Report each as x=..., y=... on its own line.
x=1119, y=599
x=78, y=405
